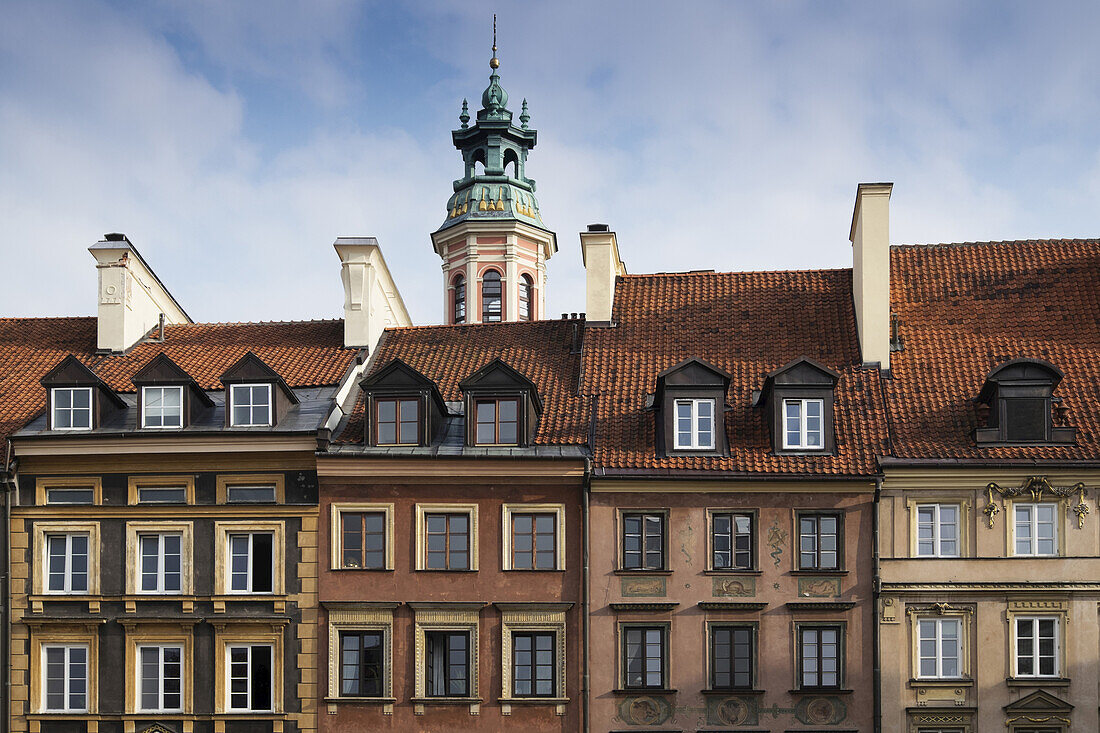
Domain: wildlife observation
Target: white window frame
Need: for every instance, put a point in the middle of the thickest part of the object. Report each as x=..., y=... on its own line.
x=937, y=533
x=140, y=668
x=557, y=510
x=937, y=639
x=802, y=431
x=145, y=391
x=160, y=589
x=71, y=410
x=251, y=405
x=229, y=565
x=694, y=444
x=1035, y=646
x=1034, y=528
x=229, y=647
x=68, y=585
x=67, y=648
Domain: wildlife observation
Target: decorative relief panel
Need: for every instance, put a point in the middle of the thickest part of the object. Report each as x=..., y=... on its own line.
x=818, y=587
x=644, y=710
x=740, y=586
x=1036, y=487
x=732, y=711
x=650, y=586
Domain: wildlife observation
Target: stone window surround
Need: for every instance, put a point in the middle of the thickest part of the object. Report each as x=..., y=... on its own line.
x=336, y=534
x=222, y=530
x=524, y=617
x=445, y=617
x=422, y=510
x=508, y=510
x=158, y=633
x=134, y=530
x=364, y=616
x=41, y=530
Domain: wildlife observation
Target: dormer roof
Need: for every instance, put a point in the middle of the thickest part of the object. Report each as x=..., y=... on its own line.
x=71, y=372
x=396, y=375
x=161, y=370
x=251, y=368
x=497, y=374
x=801, y=372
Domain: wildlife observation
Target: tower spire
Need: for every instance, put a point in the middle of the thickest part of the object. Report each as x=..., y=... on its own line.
x=494, y=63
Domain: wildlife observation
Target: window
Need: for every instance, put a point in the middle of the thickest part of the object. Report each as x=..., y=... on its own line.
x=363, y=540
x=250, y=678
x=732, y=657
x=802, y=424
x=938, y=530
x=251, y=563
x=1035, y=529
x=168, y=489
x=448, y=663
x=490, y=297
x=162, y=407
x=448, y=541
x=819, y=656
x=534, y=542
x=1036, y=646
x=250, y=404
x=161, y=678
x=939, y=650
x=533, y=664
x=72, y=408
x=1026, y=418
x=251, y=495
x=68, y=490
x=731, y=541
x=497, y=422
x=161, y=563
x=460, y=299
x=818, y=542
x=67, y=563
x=526, y=297
x=397, y=422
x=65, y=678
x=643, y=541
x=644, y=657
x=361, y=666
x=70, y=496
x=172, y=495
x=694, y=424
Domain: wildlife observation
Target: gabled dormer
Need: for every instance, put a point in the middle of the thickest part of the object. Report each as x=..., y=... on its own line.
x=798, y=401
x=168, y=397
x=255, y=394
x=402, y=407
x=1016, y=406
x=502, y=406
x=690, y=402
x=77, y=399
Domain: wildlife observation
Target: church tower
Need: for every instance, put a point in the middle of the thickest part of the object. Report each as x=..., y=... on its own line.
x=493, y=243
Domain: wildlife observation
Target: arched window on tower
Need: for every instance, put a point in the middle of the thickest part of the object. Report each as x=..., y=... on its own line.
x=460, y=299
x=526, y=297
x=490, y=297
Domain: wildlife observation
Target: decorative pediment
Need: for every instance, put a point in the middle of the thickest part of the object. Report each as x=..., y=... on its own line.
x=1039, y=701
x=161, y=370
x=71, y=372
x=693, y=372
x=1037, y=488
x=802, y=372
x=251, y=368
x=157, y=728
x=497, y=374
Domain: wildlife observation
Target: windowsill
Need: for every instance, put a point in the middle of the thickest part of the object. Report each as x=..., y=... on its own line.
x=533, y=570
x=362, y=570
x=732, y=691
x=819, y=572
x=941, y=682
x=446, y=700
x=442, y=570
x=534, y=700
x=732, y=571
x=821, y=691
x=362, y=700
x=1037, y=681
x=640, y=571
x=645, y=691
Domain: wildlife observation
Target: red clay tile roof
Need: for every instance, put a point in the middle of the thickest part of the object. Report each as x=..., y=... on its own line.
x=966, y=308
x=305, y=354
x=747, y=324
x=540, y=350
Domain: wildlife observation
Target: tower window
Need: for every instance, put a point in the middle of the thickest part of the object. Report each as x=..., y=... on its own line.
x=491, y=297
x=526, y=295
x=460, y=299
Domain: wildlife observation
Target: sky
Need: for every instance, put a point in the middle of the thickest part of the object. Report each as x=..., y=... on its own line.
x=233, y=142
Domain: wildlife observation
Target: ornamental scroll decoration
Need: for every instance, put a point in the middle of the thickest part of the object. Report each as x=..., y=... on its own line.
x=1036, y=487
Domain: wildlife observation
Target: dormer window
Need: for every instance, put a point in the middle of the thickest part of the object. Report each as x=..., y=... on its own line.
x=162, y=407
x=250, y=405
x=497, y=422
x=397, y=421
x=1017, y=402
x=803, y=424
x=798, y=401
x=72, y=408
x=694, y=424
x=690, y=402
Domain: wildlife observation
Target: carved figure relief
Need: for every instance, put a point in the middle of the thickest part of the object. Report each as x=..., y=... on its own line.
x=726, y=587
x=777, y=537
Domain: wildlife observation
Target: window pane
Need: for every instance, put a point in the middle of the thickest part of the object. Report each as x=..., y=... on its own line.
x=251, y=494
x=260, y=678
x=1026, y=419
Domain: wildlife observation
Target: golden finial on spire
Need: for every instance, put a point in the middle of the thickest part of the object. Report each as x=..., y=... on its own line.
x=494, y=62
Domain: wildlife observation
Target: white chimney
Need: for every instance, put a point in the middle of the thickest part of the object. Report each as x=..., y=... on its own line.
x=131, y=297
x=870, y=237
x=371, y=299
x=600, y=252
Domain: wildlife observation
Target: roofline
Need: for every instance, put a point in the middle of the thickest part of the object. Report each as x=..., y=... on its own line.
x=680, y=474
x=892, y=462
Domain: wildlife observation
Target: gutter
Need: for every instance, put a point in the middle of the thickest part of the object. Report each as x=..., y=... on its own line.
x=876, y=592
x=679, y=474
x=890, y=462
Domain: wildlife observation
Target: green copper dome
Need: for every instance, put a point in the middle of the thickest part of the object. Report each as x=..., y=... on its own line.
x=495, y=184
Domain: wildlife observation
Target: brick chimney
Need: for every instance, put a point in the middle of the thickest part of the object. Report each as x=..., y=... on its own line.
x=371, y=299
x=600, y=252
x=132, y=298
x=870, y=237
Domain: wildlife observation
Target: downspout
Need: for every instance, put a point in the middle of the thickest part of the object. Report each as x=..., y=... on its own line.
x=876, y=585
x=584, y=596
x=5, y=589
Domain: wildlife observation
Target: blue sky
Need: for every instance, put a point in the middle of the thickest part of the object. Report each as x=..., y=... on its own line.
x=234, y=142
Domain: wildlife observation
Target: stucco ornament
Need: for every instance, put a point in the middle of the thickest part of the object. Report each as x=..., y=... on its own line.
x=1036, y=487
x=777, y=537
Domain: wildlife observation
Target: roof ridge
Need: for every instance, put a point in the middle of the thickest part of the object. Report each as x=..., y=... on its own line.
x=808, y=270
x=46, y=318
x=426, y=327
x=993, y=242
x=255, y=323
